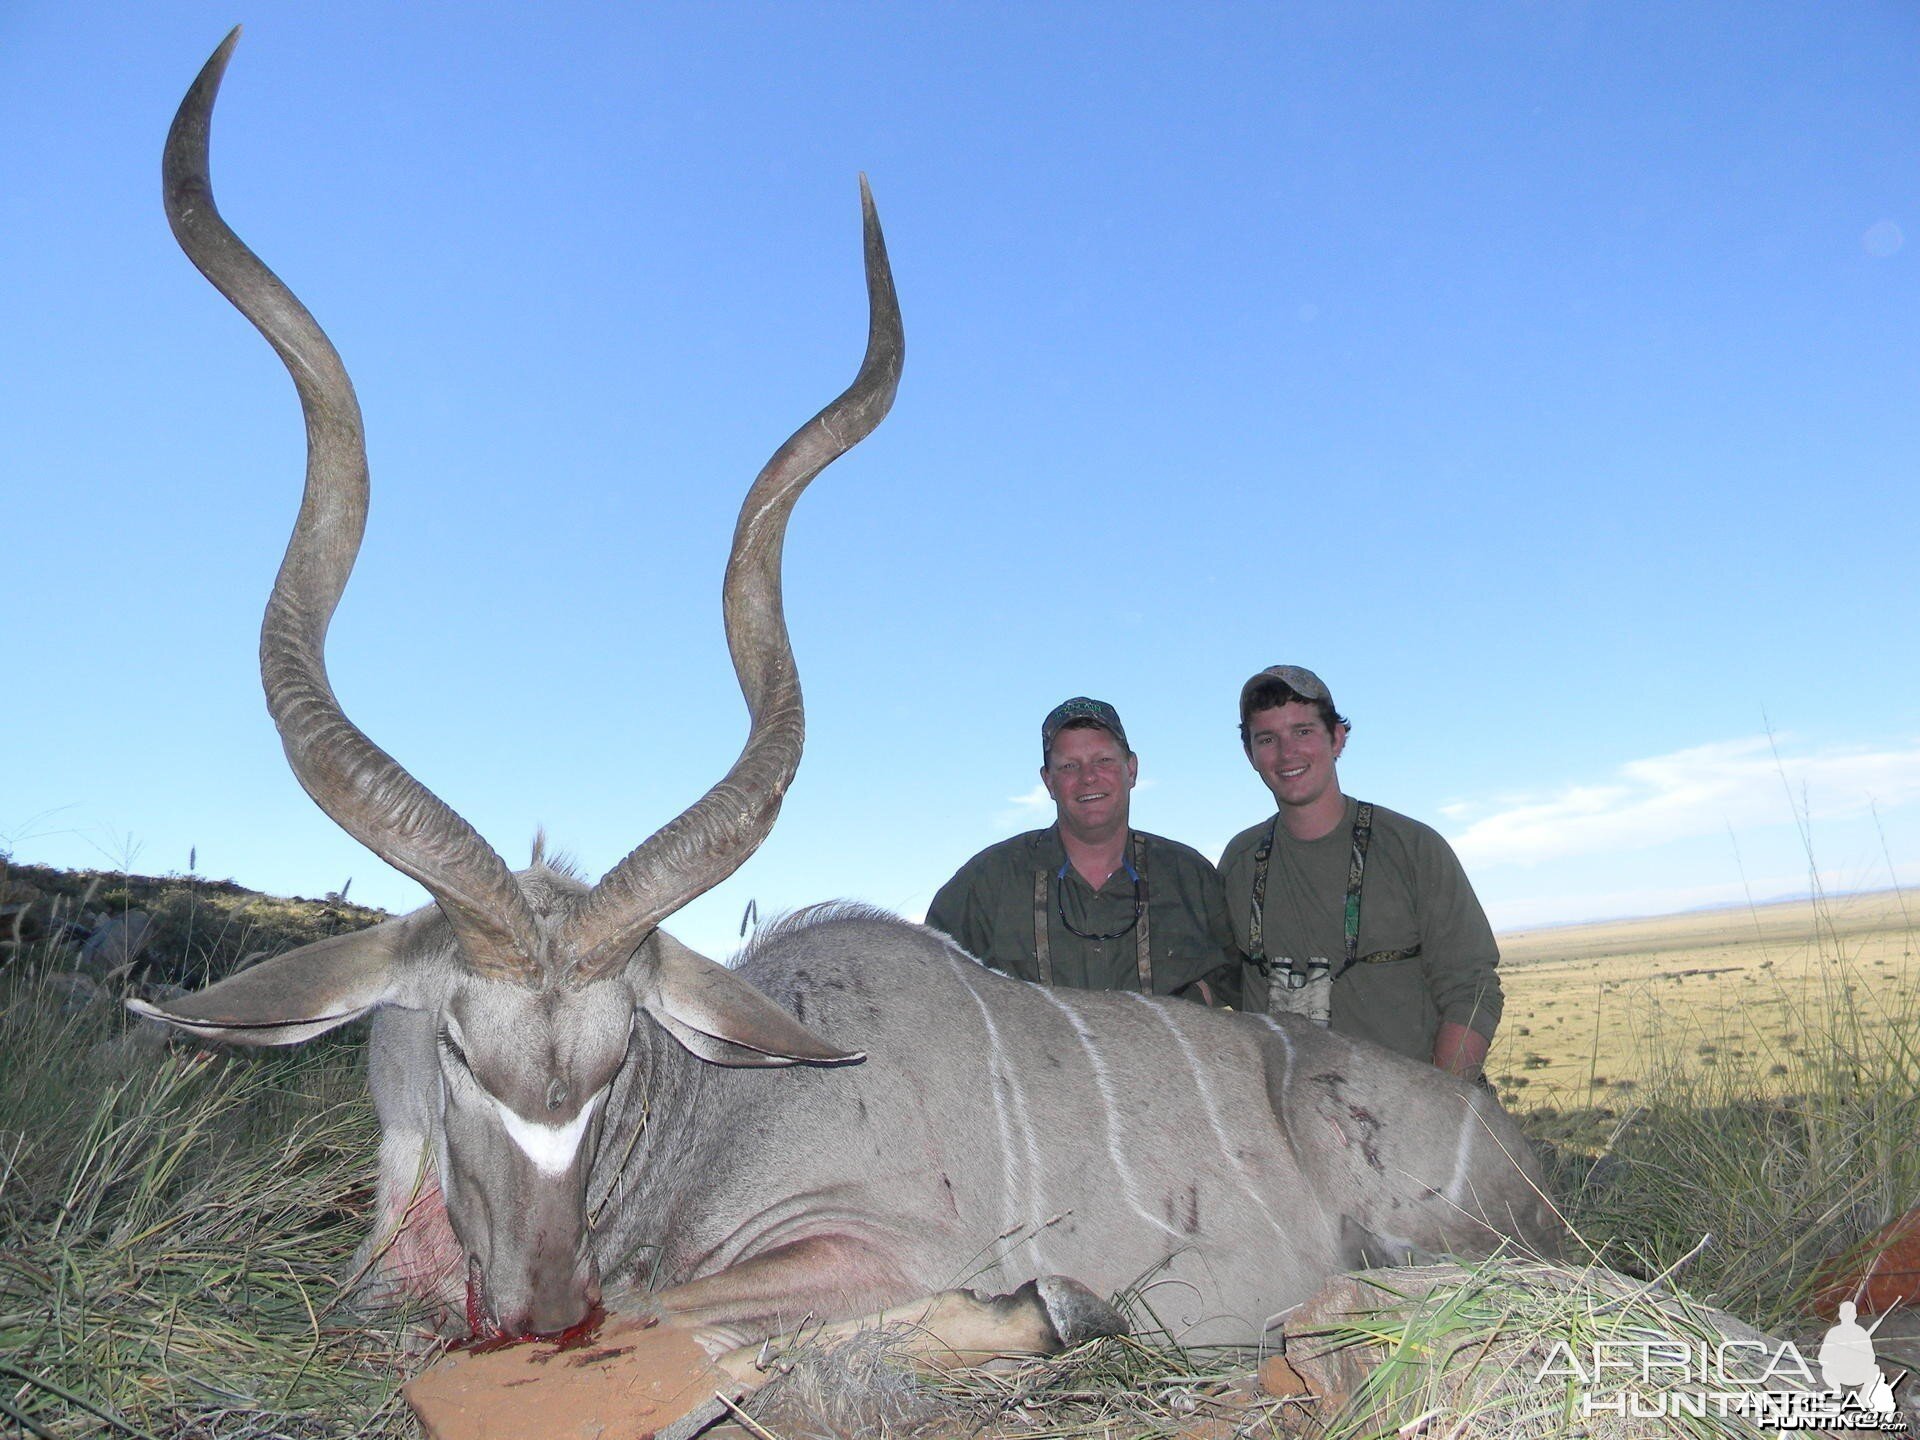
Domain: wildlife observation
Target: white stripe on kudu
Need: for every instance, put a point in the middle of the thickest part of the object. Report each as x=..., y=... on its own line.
x=550, y=1147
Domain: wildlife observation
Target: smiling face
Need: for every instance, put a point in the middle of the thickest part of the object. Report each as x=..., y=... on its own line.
x=1089, y=774
x=1295, y=754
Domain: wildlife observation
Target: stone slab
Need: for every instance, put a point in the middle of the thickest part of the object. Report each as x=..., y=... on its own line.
x=627, y=1382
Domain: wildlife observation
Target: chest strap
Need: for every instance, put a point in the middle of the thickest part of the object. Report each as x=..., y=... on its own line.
x=1142, y=943
x=1045, y=880
x=1350, y=914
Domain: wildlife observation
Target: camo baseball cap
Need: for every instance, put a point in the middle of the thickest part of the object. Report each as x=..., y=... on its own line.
x=1297, y=678
x=1081, y=708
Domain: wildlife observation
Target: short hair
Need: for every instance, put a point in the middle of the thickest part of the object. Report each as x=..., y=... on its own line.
x=1084, y=722
x=1271, y=693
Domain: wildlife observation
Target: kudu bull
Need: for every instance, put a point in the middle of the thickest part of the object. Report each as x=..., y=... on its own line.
x=571, y=1099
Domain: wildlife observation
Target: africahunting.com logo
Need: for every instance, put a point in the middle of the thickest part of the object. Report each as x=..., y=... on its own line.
x=1766, y=1382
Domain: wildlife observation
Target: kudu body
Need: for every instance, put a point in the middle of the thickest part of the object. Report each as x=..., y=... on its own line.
x=570, y=1099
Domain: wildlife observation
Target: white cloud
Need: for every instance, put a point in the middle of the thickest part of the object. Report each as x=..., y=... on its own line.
x=1575, y=906
x=1035, y=808
x=1035, y=800
x=1686, y=794
x=1027, y=811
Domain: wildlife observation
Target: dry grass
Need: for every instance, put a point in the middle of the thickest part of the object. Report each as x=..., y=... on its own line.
x=171, y=1228
x=1123, y=1387
x=1596, y=1011
x=1473, y=1354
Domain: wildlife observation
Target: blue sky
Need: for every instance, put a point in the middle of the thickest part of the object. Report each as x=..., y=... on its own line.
x=1546, y=376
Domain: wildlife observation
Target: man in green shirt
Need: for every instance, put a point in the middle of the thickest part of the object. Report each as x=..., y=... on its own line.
x=1353, y=915
x=1089, y=901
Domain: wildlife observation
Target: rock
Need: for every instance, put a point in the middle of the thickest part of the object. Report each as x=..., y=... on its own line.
x=629, y=1381
x=1281, y=1380
x=75, y=991
x=112, y=949
x=1878, y=1275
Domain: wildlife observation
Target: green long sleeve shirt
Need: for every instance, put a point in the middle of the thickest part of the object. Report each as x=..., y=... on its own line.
x=1414, y=893
x=988, y=906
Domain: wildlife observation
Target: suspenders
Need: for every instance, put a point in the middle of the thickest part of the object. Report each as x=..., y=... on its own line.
x=1042, y=885
x=1142, y=945
x=1350, y=914
x=1045, y=880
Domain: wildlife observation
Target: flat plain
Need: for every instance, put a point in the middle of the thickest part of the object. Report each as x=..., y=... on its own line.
x=1595, y=1012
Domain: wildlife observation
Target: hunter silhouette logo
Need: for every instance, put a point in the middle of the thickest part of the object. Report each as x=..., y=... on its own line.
x=1769, y=1383
x=1848, y=1364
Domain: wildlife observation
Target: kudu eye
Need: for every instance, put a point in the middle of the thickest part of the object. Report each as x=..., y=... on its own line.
x=451, y=1047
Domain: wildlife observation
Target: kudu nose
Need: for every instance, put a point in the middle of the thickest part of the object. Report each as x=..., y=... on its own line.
x=557, y=1300
x=544, y=1314
x=555, y=1318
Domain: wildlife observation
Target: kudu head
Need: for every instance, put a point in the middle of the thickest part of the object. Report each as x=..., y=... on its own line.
x=534, y=983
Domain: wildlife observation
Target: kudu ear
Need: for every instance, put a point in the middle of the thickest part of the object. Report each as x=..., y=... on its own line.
x=720, y=1017
x=292, y=997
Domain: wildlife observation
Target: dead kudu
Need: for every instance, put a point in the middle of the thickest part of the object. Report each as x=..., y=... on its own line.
x=571, y=1101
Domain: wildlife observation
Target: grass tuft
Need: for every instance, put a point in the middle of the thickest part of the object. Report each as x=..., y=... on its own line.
x=175, y=1224
x=1478, y=1355
x=1786, y=1157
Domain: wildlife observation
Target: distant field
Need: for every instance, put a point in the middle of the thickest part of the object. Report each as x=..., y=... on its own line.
x=1595, y=1011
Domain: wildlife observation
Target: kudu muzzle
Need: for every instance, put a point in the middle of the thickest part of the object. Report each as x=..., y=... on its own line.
x=530, y=1267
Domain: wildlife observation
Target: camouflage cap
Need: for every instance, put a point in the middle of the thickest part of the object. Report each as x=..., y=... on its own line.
x=1081, y=708
x=1297, y=678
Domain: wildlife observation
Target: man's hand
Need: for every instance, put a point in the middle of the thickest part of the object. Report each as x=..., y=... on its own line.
x=1460, y=1049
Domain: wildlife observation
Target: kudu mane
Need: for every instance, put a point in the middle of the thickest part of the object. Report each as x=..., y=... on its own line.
x=777, y=929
